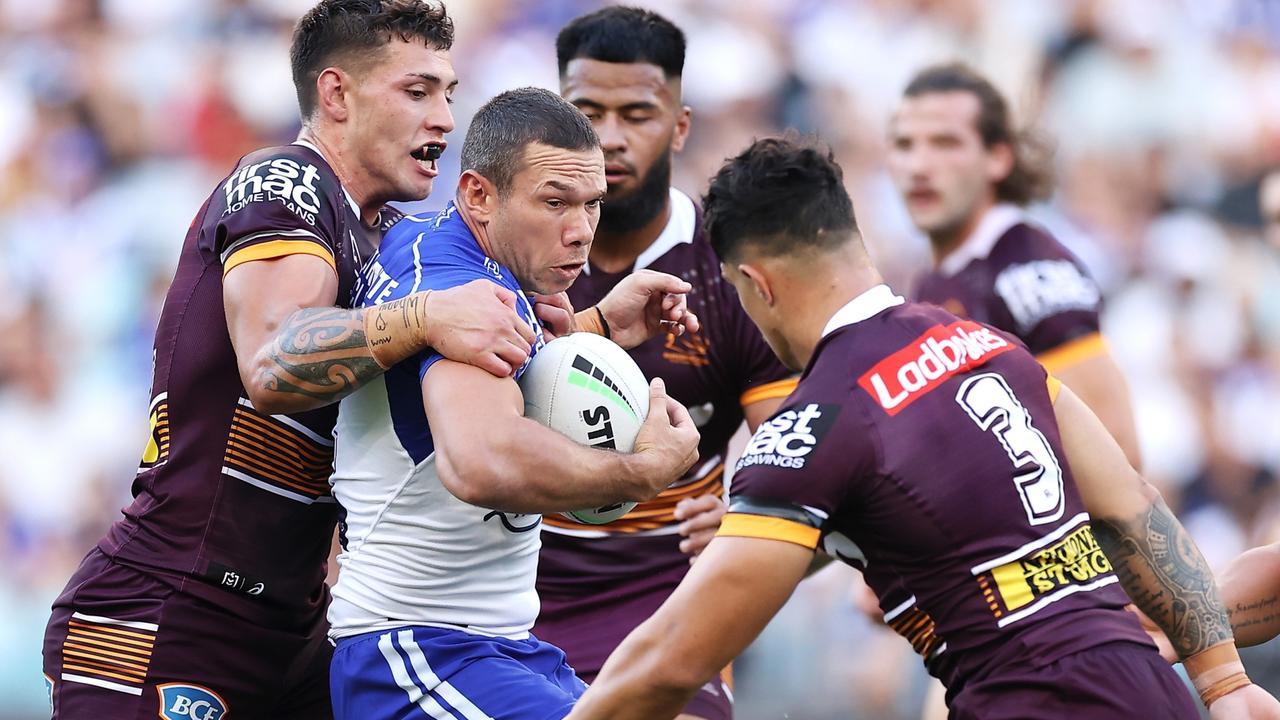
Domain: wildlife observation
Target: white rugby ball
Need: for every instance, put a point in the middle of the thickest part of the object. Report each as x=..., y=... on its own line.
x=588, y=388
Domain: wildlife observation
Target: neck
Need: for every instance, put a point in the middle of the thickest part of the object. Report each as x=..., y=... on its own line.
x=948, y=240
x=355, y=180
x=614, y=252
x=479, y=231
x=828, y=284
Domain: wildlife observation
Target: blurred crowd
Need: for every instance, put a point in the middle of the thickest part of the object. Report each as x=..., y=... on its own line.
x=1161, y=117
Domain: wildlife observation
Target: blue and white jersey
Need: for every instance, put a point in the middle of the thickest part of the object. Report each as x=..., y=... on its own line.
x=412, y=553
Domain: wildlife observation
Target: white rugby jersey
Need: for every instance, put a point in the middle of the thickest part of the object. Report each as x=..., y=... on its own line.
x=412, y=553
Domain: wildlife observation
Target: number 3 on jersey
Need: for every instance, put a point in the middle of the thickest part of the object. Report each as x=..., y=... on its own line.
x=991, y=403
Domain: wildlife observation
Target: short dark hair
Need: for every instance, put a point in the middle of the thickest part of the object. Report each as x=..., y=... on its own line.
x=1029, y=180
x=781, y=195
x=622, y=34
x=504, y=126
x=336, y=30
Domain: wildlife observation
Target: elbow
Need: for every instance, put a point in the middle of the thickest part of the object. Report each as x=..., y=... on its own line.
x=474, y=477
x=268, y=402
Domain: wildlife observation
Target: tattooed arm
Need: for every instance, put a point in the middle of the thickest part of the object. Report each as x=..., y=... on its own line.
x=1250, y=587
x=296, y=351
x=1158, y=563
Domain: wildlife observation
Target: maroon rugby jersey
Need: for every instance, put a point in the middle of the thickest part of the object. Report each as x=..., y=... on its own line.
x=924, y=450
x=228, y=495
x=715, y=372
x=1018, y=278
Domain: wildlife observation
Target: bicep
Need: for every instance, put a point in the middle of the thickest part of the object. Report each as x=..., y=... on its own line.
x=259, y=295
x=1097, y=380
x=1108, y=484
x=761, y=402
x=467, y=407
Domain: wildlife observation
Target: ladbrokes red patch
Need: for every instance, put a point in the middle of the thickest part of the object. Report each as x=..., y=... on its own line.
x=928, y=361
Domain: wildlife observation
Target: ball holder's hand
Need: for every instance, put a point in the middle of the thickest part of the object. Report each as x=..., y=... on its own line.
x=667, y=445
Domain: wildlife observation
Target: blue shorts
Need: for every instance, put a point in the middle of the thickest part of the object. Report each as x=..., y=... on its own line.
x=427, y=672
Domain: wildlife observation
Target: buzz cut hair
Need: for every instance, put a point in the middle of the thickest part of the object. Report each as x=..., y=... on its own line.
x=623, y=34
x=338, y=32
x=503, y=127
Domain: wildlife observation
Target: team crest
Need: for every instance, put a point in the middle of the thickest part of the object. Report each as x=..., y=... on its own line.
x=179, y=701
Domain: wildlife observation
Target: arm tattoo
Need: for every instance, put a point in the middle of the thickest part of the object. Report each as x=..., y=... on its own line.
x=1166, y=576
x=320, y=353
x=1263, y=612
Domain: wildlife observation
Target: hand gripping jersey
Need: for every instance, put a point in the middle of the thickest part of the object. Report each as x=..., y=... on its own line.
x=412, y=553
x=924, y=450
x=226, y=494
x=587, y=570
x=1018, y=278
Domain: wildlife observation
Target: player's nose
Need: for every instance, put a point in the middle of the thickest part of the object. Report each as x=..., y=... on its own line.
x=612, y=139
x=440, y=118
x=579, y=229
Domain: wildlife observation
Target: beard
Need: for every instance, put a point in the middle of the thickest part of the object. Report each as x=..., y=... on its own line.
x=635, y=209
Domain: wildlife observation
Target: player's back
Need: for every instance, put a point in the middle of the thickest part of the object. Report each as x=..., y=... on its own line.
x=943, y=476
x=226, y=494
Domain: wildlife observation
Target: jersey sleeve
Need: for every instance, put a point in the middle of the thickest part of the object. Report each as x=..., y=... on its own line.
x=1051, y=299
x=276, y=206
x=799, y=470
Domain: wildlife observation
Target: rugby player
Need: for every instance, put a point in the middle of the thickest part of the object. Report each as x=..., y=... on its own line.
x=208, y=598
x=936, y=454
x=442, y=478
x=622, y=67
x=965, y=174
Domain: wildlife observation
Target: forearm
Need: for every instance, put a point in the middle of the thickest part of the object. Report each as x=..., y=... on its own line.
x=317, y=357
x=1165, y=574
x=631, y=684
x=1250, y=587
x=517, y=465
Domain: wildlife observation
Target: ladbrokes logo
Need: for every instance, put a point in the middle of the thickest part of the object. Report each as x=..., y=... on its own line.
x=281, y=180
x=929, y=360
x=787, y=439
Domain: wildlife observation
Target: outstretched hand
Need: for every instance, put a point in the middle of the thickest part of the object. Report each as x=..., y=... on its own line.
x=645, y=303
x=1248, y=703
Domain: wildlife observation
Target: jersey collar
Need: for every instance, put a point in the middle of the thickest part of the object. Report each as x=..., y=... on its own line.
x=868, y=304
x=680, y=229
x=994, y=224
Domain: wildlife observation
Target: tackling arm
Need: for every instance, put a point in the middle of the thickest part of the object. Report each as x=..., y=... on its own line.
x=1155, y=558
x=489, y=454
x=725, y=601
x=1250, y=587
x=297, y=352
x=1097, y=380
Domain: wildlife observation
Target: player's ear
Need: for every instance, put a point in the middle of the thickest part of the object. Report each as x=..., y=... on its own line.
x=759, y=282
x=331, y=94
x=999, y=162
x=478, y=195
x=684, y=118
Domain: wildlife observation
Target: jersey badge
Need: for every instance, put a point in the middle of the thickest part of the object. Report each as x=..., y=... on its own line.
x=179, y=701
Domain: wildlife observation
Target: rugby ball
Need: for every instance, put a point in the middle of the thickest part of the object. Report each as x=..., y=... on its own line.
x=588, y=388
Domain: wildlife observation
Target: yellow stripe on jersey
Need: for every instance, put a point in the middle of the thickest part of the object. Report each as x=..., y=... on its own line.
x=1073, y=351
x=769, y=528
x=769, y=391
x=272, y=249
x=1055, y=387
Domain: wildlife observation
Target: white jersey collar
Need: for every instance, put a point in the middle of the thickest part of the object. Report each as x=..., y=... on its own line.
x=994, y=224
x=680, y=228
x=316, y=149
x=868, y=304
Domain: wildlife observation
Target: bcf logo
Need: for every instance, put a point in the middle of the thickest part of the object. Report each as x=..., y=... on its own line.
x=190, y=702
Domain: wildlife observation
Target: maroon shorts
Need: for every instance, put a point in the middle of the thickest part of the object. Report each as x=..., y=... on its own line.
x=1116, y=681
x=126, y=643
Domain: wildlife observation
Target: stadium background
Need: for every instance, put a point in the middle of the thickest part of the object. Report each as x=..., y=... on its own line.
x=117, y=116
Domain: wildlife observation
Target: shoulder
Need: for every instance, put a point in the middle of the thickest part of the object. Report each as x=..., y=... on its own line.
x=1025, y=241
